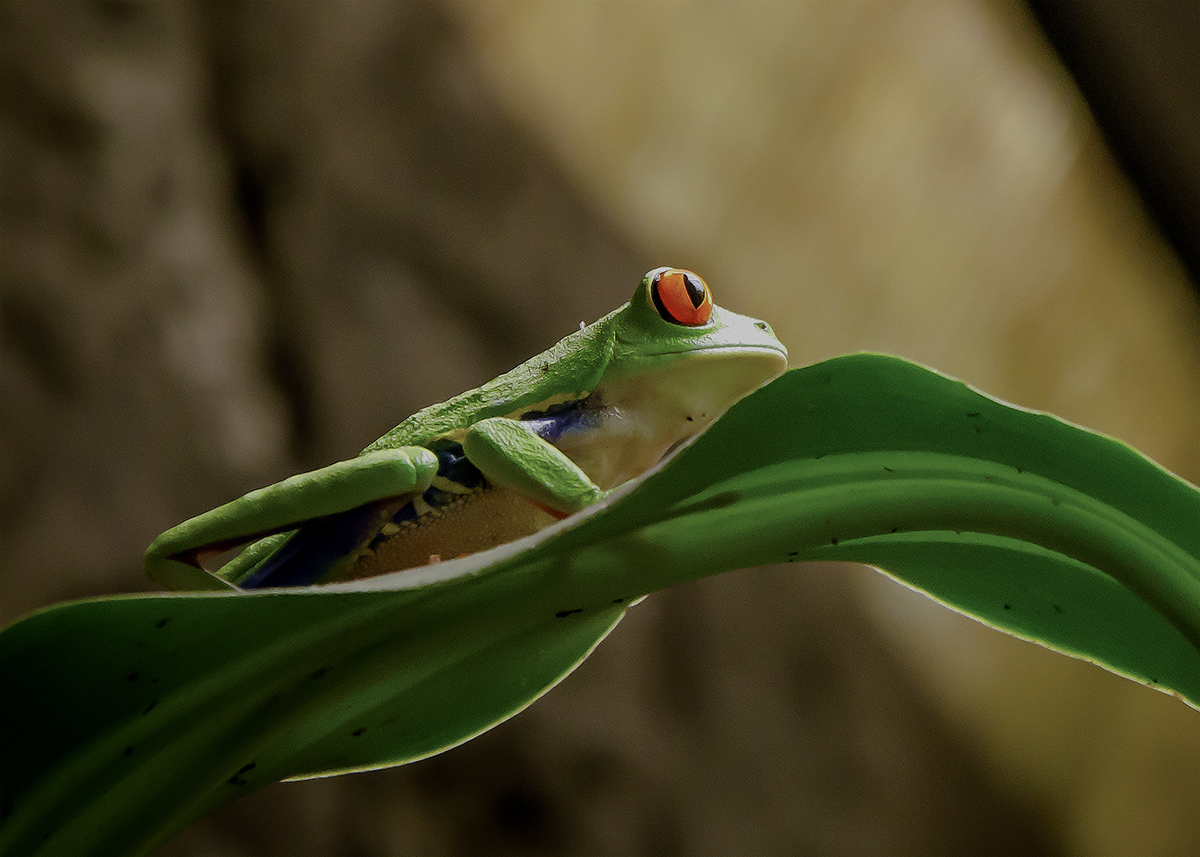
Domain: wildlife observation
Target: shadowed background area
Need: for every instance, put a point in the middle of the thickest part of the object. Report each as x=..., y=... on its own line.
x=242, y=239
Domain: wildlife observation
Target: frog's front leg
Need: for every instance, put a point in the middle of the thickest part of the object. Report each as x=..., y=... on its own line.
x=174, y=558
x=510, y=455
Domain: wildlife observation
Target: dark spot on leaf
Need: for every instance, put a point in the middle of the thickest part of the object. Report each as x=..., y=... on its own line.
x=149, y=707
x=563, y=614
x=6, y=810
x=237, y=779
x=687, y=419
x=618, y=601
x=1054, y=501
x=793, y=553
x=895, y=529
x=1007, y=606
x=973, y=414
x=133, y=676
x=319, y=673
x=128, y=751
x=888, y=469
x=357, y=732
x=833, y=540
x=1057, y=608
x=161, y=623
x=1154, y=681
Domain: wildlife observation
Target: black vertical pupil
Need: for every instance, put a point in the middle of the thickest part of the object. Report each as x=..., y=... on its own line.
x=695, y=290
x=658, y=301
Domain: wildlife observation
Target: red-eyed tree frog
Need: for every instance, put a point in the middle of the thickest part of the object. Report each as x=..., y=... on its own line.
x=499, y=462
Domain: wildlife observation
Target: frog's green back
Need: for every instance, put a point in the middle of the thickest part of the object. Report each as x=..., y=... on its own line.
x=631, y=347
x=570, y=369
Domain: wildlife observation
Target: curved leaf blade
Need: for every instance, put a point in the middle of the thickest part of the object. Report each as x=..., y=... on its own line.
x=140, y=714
x=1017, y=518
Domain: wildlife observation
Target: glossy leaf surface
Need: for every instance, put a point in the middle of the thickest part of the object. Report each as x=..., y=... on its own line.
x=138, y=714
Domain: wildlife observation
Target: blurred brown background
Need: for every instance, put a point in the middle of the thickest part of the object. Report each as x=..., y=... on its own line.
x=241, y=239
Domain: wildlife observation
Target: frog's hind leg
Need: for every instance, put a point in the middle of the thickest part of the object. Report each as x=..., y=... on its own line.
x=314, y=552
x=174, y=559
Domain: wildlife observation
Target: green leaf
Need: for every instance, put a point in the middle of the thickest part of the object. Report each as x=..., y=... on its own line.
x=128, y=717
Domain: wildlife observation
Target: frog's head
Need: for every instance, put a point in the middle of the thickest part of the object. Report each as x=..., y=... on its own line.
x=678, y=361
x=671, y=336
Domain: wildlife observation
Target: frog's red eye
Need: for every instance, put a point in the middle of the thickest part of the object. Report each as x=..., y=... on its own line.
x=681, y=297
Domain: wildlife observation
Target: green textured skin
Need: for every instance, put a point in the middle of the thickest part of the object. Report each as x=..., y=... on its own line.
x=631, y=341
x=630, y=347
x=537, y=470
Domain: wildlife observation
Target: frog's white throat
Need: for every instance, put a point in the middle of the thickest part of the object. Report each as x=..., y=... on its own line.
x=633, y=422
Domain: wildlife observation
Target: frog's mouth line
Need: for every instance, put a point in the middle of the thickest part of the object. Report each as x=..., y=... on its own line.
x=740, y=348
